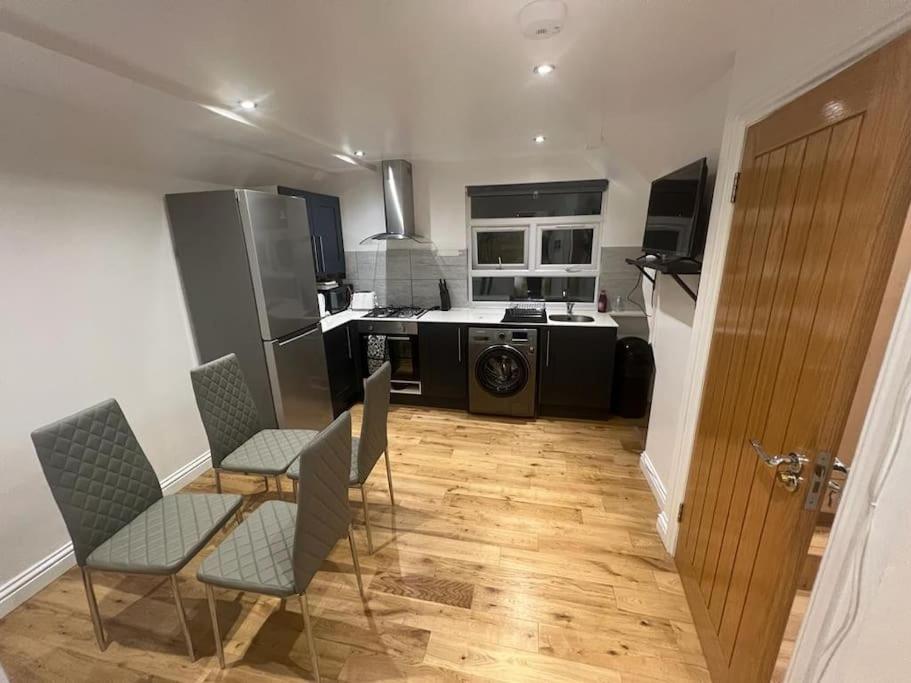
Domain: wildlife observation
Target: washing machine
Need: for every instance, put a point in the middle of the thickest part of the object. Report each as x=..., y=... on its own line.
x=503, y=370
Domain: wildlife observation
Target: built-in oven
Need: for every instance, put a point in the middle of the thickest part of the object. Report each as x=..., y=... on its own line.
x=397, y=342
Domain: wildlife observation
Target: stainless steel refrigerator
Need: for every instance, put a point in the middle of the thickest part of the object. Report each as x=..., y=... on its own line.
x=246, y=266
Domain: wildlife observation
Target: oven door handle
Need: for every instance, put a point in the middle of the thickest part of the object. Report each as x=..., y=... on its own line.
x=391, y=338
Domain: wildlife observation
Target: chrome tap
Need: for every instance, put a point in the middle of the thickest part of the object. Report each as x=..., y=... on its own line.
x=569, y=304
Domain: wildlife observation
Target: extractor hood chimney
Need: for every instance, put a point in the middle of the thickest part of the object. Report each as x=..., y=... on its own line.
x=398, y=197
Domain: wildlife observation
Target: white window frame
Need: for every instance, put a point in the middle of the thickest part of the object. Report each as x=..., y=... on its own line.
x=512, y=226
x=534, y=268
x=568, y=268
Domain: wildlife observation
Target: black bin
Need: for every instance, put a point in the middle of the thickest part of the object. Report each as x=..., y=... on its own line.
x=634, y=366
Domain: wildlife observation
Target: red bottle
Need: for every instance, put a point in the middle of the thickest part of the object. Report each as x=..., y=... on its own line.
x=602, y=301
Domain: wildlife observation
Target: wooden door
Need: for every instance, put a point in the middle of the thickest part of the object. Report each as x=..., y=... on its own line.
x=824, y=191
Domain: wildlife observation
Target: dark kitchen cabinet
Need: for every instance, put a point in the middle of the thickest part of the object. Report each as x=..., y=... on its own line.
x=325, y=216
x=444, y=375
x=343, y=366
x=576, y=374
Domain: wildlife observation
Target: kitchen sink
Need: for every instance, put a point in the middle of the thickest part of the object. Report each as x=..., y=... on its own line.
x=564, y=318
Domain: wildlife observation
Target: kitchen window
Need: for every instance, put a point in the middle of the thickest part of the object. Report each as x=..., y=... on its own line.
x=564, y=246
x=500, y=247
x=535, y=241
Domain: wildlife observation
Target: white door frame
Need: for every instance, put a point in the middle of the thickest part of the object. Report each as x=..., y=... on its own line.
x=824, y=622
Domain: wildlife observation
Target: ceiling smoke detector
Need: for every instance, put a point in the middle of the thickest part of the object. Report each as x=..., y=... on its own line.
x=542, y=19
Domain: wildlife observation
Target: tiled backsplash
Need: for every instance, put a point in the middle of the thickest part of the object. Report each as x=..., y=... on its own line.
x=403, y=276
x=410, y=276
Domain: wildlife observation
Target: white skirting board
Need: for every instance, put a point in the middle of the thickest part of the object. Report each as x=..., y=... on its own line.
x=28, y=582
x=660, y=493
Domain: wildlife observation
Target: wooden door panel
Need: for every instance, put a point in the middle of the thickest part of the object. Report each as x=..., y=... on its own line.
x=826, y=186
x=738, y=556
x=764, y=351
x=736, y=268
x=755, y=315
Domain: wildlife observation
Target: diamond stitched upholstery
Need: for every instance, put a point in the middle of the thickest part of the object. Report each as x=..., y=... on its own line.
x=97, y=472
x=280, y=546
x=323, y=514
x=256, y=556
x=163, y=538
x=225, y=405
x=373, y=439
x=269, y=451
x=294, y=470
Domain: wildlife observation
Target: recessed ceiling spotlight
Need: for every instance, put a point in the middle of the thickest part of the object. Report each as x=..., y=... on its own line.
x=539, y=139
x=544, y=69
x=345, y=158
x=249, y=105
x=359, y=153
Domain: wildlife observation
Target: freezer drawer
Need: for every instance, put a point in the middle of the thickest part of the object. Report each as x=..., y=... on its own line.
x=300, y=381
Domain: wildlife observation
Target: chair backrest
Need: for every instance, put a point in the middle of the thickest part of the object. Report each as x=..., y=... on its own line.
x=98, y=474
x=374, y=439
x=225, y=405
x=323, y=513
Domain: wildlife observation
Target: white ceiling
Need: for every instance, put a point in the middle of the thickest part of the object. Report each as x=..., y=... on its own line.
x=441, y=80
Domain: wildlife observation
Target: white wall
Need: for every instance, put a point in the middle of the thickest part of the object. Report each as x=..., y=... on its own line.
x=439, y=197
x=91, y=308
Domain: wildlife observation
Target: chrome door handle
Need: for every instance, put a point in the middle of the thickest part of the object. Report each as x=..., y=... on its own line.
x=547, y=359
x=839, y=466
x=348, y=335
x=322, y=254
x=460, y=345
x=792, y=459
x=788, y=468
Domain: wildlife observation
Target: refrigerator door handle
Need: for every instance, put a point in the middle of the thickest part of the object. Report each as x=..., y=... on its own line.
x=322, y=254
x=283, y=342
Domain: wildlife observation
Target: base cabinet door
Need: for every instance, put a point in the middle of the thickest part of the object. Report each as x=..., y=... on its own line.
x=341, y=361
x=444, y=378
x=576, y=373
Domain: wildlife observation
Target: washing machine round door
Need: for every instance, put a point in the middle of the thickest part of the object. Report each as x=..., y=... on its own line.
x=502, y=371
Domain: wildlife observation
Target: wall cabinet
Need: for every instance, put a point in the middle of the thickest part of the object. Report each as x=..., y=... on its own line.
x=444, y=373
x=325, y=216
x=576, y=371
x=342, y=361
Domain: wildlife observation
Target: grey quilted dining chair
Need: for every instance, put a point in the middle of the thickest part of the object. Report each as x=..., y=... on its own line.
x=113, y=507
x=237, y=441
x=373, y=442
x=280, y=546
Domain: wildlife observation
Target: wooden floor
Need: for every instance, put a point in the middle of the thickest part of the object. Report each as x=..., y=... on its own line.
x=517, y=551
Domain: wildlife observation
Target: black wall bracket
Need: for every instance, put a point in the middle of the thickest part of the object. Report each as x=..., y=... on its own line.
x=675, y=267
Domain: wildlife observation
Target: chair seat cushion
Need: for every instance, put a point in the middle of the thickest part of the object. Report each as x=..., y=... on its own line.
x=165, y=536
x=269, y=451
x=257, y=555
x=294, y=470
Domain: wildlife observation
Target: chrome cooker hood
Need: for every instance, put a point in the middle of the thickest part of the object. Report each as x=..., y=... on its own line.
x=398, y=197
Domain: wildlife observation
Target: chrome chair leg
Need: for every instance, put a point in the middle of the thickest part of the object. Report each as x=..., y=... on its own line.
x=367, y=520
x=389, y=476
x=357, y=564
x=305, y=613
x=213, y=613
x=182, y=616
x=93, y=609
x=218, y=481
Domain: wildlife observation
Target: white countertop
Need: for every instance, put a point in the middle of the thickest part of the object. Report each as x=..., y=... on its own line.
x=484, y=316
